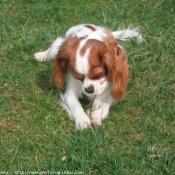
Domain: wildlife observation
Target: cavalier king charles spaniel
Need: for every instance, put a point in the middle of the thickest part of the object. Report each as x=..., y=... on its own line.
x=94, y=64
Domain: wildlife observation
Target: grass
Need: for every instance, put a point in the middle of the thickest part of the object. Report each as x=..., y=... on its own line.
x=36, y=135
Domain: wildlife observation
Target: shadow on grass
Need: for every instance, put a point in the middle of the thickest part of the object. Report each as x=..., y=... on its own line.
x=43, y=81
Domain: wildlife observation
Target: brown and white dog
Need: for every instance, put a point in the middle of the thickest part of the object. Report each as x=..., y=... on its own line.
x=95, y=64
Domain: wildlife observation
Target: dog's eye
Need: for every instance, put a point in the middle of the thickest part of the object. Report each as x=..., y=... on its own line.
x=98, y=76
x=78, y=76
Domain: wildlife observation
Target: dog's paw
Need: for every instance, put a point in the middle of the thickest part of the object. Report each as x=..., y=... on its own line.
x=82, y=123
x=96, y=118
x=40, y=56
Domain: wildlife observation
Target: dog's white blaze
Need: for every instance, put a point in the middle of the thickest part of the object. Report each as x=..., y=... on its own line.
x=82, y=64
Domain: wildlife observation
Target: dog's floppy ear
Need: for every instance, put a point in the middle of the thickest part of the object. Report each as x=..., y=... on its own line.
x=64, y=58
x=115, y=62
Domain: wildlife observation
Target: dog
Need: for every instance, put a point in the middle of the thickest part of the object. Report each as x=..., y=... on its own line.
x=94, y=64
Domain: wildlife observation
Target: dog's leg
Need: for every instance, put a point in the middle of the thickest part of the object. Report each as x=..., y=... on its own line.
x=81, y=119
x=50, y=53
x=100, y=110
x=41, y=56
x=72, y=104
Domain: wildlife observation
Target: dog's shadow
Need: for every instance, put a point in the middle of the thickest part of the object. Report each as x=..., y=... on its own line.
x=43, y=81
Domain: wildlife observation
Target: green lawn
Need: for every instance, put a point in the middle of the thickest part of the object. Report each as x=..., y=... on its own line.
x=36, y=134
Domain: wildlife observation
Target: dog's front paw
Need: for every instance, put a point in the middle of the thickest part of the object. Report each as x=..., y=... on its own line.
x=83, y=122
x=96, y=118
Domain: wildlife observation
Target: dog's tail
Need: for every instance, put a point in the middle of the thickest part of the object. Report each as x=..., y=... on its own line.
x=128, y=34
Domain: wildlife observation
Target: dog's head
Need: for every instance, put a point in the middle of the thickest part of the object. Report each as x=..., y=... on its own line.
x=95, y=63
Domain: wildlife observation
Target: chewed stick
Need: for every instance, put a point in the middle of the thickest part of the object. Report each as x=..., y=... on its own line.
x=90, y=107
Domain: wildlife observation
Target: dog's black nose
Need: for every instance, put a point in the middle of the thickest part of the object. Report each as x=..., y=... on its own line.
x=89, y=89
